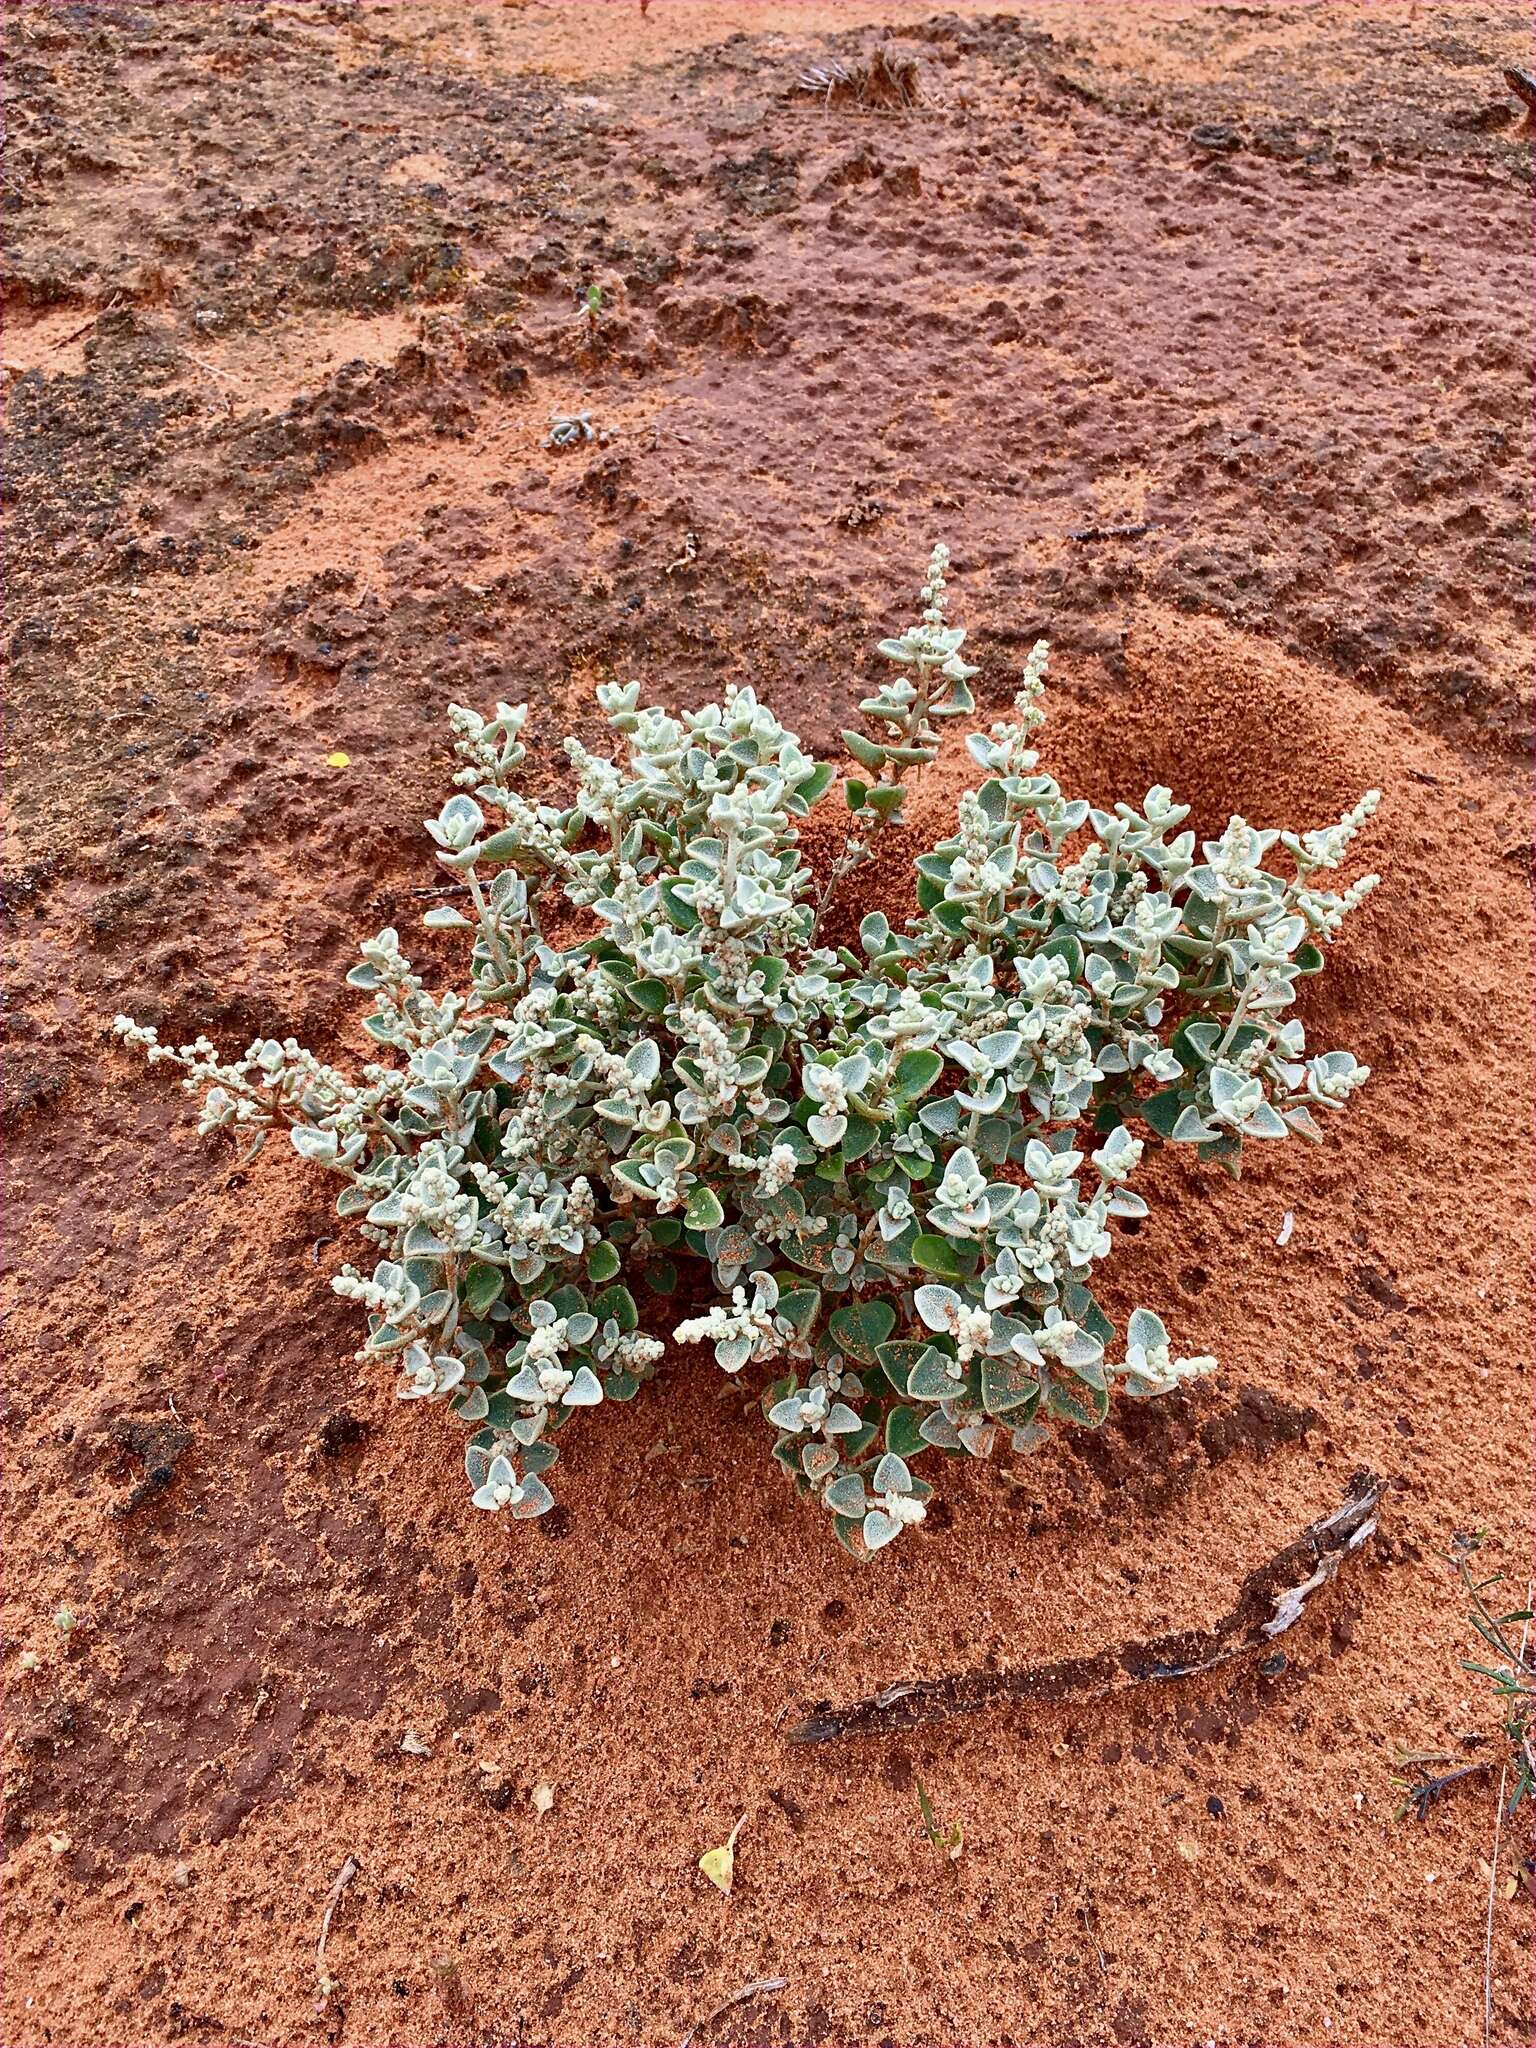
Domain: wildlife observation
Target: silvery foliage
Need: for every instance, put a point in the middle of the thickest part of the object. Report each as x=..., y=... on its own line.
x=899, y=1163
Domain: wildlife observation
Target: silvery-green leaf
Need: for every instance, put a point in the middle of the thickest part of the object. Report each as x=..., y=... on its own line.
x=892, y=1475
x=585, y=1390
x=937, y=1306
x=845, y=1496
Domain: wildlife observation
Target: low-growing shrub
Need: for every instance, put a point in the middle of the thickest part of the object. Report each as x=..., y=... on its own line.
x=895, y=1166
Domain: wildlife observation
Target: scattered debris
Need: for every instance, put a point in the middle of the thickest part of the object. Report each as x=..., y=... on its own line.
x=1287, y=1225
x=1270, y=1600
x=412, y=1744
x=344, y=1877
x=950, y=1839
x=157, y=1445
x=1129, y=532
x=690, y=553
x=568, y=430
x=758, y=1990
x=59, y=1845
x=863, y=511
x=719, y=1865
x=340, y=1432
x=449, y=1982
x=542, y=1798
x=887, y=79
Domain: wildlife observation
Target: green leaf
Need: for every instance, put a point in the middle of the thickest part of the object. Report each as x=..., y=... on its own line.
x=1163, y=1110
x=887, y=800
x=864, y=751
x=619, y=1303
x=854, y=793
x=1085, y=1405
x=503, y=845
x=651, y=996
x=703, y=1211
x=938, y=1255
x=817, y=783
x=931, y=1378
x=800, y=1307
x=861, y=1135
x=860, y=1328
x=914, y=1074
x=482, y=1285
x=902, y=1433
x=1064, y=947
x=682, y=914
x=898, y=1360
x=1007, y=1384
x=602, y=1262
x=814, y=1254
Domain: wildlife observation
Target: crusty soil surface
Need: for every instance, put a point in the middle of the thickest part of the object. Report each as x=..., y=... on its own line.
x=291, y=292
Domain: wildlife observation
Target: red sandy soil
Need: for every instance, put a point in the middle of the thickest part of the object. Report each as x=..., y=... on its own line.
x=290, y=301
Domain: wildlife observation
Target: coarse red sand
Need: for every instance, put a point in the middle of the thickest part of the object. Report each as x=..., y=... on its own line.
x=291, y=292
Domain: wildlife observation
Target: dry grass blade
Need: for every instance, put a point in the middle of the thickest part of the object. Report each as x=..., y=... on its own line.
x=759, y=1989
x=344, y=1877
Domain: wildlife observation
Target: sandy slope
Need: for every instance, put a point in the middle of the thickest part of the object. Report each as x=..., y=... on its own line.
x=291, y=295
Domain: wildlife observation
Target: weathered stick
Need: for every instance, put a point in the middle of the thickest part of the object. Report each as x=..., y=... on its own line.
x=1270, y=1601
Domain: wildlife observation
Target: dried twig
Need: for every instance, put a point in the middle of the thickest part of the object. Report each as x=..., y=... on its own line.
x=1271, y=1600
x=344, y=1877
x=757, y=1990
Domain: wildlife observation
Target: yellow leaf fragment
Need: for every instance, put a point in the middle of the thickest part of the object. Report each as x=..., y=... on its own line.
x=719, y=1865
x=338, y=760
